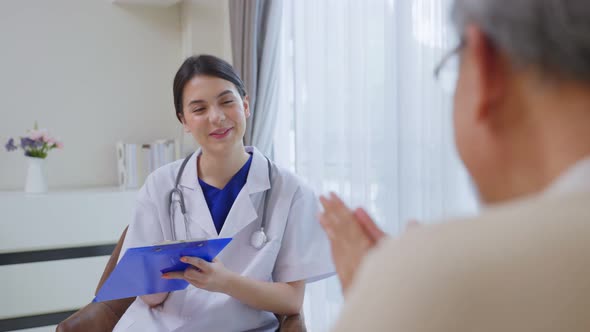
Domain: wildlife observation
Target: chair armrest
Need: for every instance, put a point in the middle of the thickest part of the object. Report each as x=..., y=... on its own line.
x=293, y=323
x=96, y=317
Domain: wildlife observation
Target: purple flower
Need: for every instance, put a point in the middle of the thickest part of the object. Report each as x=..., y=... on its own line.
x=26, y=142
x=10, y=145
x=38, y=143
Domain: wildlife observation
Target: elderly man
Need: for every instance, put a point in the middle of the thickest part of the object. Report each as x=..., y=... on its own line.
x=522, y=126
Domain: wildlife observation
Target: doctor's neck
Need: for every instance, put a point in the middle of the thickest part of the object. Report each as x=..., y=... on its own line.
x=217, y=168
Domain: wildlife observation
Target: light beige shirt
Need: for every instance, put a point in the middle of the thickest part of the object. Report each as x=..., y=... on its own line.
x=575, y=179
x=523, y=266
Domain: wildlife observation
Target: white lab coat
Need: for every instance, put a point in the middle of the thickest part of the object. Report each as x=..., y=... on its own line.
x=297, y=247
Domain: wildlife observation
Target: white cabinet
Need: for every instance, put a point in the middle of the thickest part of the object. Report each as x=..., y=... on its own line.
x=54, y=247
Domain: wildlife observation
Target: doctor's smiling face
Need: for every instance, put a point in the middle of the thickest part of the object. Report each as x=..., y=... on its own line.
x=214, y=113
x=211, y=103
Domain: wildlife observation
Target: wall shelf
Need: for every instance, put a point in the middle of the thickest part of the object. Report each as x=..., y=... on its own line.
x=64, y=218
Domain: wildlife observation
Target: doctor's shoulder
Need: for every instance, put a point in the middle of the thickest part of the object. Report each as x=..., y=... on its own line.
x=296, y=183
x=160, y=181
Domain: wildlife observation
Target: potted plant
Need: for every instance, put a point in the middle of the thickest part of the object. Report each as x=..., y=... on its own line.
x=36, y=145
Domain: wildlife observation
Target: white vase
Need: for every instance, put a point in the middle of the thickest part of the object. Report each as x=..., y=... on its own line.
x=36, y=176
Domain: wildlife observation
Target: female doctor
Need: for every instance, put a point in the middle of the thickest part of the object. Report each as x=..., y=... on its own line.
x=226, y=190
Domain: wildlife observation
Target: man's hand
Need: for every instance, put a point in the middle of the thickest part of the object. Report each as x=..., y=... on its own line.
x=368, y=225
x=351, y=234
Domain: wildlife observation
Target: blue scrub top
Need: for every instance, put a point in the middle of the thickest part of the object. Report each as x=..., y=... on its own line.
x=220, y=201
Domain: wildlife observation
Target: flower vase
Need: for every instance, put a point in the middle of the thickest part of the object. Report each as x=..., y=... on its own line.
x=36, y=176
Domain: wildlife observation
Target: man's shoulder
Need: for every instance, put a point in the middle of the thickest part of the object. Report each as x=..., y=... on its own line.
x=538, y=211
x=534, y=223
x=526, y=257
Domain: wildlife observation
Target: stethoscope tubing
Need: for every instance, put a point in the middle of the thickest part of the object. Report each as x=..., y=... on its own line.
x=178, y=192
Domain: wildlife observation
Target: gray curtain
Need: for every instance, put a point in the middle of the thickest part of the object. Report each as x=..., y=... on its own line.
x=255, y=33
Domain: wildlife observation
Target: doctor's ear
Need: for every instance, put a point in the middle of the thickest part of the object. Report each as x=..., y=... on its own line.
x=246, y=100
x=184, y=125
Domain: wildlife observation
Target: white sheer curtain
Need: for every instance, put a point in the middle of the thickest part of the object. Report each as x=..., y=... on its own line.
x=363, y=116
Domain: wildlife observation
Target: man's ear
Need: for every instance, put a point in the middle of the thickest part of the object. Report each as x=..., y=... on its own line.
x=488, y=70
x=246, y=101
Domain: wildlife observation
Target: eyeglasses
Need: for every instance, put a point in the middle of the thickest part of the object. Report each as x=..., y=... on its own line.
x=447, y=71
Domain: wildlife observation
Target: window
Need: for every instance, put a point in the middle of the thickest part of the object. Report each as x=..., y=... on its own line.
x=362, y=115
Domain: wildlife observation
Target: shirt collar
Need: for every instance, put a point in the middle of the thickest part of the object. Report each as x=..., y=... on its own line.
x=257, y=176
x=574, y=179
x=258, y=179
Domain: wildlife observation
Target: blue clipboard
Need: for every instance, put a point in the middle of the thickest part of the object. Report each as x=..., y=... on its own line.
x=140, y=270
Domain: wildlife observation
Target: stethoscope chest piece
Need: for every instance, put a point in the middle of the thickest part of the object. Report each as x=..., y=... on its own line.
x=258, y=239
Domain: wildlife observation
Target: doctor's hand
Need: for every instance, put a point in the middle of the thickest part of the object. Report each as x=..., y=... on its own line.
x=352, y=234
x=202, y=274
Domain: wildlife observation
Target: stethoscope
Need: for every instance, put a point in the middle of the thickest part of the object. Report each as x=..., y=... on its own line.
x=257, y=239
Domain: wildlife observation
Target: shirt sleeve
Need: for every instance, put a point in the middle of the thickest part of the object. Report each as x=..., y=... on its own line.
x=145, y=229
x=305, y=250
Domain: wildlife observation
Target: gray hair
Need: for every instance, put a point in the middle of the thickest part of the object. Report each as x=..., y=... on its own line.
x=552, y=35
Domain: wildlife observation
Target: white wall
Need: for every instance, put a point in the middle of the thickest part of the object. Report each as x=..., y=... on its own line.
x=205, y=29
x=93, y=73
